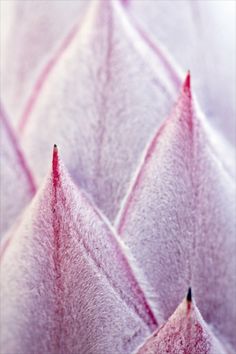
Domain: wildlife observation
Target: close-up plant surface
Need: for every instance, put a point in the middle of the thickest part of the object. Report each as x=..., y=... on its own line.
x=118, y=204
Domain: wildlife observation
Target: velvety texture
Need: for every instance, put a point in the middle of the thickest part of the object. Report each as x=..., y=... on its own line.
x=66, y=285
x=93, y=109
x=184, y=332
x=179, y=219
x=200, y=36
x=98, y=260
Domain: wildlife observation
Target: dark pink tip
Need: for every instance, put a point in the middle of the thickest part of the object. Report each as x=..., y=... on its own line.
x=55, y=165
x=187, y=84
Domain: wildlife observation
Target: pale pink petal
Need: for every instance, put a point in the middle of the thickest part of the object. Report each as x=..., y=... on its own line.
x=101, y=103
x=184, y=332
x=66, y=285
x=17, y=185
x=179, y=219
x=30, y=32
x=200, y=36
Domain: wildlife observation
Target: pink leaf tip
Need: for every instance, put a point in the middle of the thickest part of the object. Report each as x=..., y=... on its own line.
x=77, y=289
x=180, y=207
x=55, y=165
x=187, y=83
x=184, y=332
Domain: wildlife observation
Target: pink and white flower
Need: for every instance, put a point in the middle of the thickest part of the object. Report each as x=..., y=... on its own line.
x=124, y=240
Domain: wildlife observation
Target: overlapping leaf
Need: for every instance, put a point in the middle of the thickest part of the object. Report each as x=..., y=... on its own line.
x=179, y=219
x=100, y=103
x=66, y=286
x=200, y=36
x=184, y=332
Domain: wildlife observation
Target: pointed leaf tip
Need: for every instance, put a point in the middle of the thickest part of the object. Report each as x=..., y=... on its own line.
x=55, y=150
x=183, y=334
x=186, y=102
x=55, y=165
x=103, y=161
x=189, y=295
x=55, y=154
x=67, y=243
x=187, y=83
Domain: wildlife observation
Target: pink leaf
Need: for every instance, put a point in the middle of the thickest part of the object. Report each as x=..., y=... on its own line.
x=17, y=185
x=179, y=219
x=66, y=285
x=184, y=332
x=30, y=32
x=93, y=108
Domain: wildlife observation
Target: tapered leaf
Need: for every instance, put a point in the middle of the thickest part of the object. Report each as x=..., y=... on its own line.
x=101, y=111
x=200, y=36
x=184, y=332
x=179, y=219
x=66, y=285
